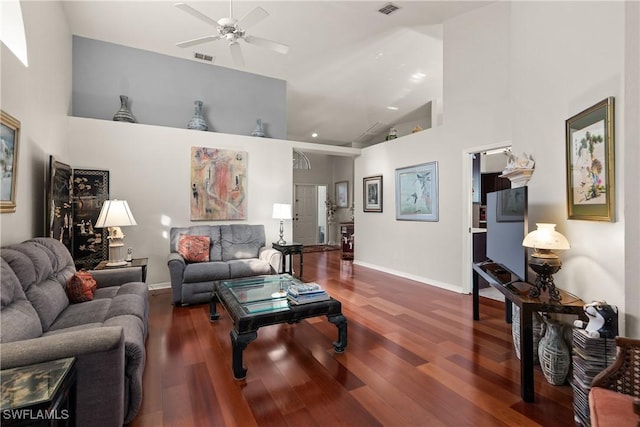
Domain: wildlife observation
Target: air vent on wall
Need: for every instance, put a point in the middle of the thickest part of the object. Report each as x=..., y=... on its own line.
x=388, y=9
x=203, y=57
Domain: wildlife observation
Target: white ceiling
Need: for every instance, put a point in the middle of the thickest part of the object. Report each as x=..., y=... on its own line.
x=346, y=64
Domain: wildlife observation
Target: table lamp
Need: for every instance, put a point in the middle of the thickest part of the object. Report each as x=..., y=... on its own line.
x=115, y=214
x=543, y=261
x=281, y=211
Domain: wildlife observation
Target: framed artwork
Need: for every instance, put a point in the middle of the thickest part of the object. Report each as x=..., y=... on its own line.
x=218, y=184
x=590, y=163
x=417, y=192
x=60, y=202
x=372, y=193
x=9, y=141
x=342, y=194
x=90, y=190
x=511, y=205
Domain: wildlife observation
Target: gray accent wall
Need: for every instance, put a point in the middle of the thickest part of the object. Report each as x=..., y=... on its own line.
x=162, y=90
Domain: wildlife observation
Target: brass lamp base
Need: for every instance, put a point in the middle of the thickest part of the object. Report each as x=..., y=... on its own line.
x=545, y=265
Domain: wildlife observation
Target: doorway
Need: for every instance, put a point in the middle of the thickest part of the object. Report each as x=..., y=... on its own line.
x=478, y=162
x=309, y=214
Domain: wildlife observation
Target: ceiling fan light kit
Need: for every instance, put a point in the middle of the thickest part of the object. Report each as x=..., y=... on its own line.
x=232, y=30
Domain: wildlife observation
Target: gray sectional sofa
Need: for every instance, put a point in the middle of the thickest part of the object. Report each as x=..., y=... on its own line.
x=106, y=335
x=236, y=250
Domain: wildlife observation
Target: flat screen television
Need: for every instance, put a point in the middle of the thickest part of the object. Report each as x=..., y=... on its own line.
x=506, y=228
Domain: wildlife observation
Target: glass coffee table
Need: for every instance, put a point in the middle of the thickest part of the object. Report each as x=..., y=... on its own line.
x=258, y=301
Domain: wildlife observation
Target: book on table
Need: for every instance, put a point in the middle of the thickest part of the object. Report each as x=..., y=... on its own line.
x=304, y=293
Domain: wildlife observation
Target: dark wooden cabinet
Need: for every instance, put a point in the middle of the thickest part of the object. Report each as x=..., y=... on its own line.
x=347, y=240
x=490, y=182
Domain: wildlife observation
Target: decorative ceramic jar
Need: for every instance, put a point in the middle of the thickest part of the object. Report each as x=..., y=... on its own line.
x=515, y=331
x=259, y=130
x=554, y=353
x=197, y=121
x=123, y=114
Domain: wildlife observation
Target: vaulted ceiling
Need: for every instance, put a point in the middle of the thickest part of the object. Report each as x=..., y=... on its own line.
x=350, y=69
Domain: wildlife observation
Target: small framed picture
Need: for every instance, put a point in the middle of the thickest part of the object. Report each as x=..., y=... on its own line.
x=342, y=194
x=372, y=193
x=9, y=138
x=590, y=163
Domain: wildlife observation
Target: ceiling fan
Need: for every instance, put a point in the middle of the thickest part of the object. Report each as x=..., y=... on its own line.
x=232, y=30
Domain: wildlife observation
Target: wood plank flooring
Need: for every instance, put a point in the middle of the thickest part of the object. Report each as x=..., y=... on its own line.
x=415, y=357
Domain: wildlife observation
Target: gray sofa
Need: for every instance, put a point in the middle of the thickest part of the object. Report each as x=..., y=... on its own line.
x=106, y=335
x=236, y=250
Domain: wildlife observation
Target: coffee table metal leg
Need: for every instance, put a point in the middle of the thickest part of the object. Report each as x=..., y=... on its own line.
x=213, y=313
x=341, y=322
x=238, y=343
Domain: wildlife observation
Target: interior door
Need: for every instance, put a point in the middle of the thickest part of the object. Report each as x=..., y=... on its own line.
x=305, y=214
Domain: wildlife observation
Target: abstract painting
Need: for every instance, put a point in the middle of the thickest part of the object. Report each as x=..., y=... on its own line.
x=218, y=184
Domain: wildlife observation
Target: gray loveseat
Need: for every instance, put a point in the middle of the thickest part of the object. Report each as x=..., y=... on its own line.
x=106, y=335
x=236, y=250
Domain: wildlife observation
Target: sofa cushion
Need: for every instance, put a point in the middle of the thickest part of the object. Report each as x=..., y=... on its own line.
x=241, y=241
x=194, y=248
x=31, y=264
x=80, y=287
x=87, y=312
x=248, y=267
x=18, y=318
x=206, y=271
x=213, y=231
x=610, y=408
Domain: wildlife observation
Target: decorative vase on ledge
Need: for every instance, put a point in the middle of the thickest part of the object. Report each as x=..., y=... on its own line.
x=123, y=114
x=259, y=130
x=197, y=121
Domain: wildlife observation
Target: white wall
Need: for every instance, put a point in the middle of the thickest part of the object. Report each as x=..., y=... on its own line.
x=40, y=97
x=556, y=74
x=150, y=166
x=507, y=80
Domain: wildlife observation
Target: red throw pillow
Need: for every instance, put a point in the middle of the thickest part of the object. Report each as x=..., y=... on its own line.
x=194, y=248
x=81, y=287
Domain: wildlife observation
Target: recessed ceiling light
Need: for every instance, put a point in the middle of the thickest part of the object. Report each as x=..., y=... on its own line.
x=418, y=76
x=392, y=108
x=314, y=135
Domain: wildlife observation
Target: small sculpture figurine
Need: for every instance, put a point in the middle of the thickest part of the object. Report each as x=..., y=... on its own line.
x=603, y=320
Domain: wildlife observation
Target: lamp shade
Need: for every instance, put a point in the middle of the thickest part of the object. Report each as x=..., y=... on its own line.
x=115, y=213
x=546, y=237
x=281, y=211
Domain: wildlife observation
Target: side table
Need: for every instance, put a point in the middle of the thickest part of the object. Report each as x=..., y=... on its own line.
x=289, y=249
x=136, y=262
x=517, y=292
x=39, y=395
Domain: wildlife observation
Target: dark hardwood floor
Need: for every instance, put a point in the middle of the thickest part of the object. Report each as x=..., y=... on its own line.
x=414, y=358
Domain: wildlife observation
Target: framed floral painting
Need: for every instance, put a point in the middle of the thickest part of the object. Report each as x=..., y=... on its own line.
x=590, y=163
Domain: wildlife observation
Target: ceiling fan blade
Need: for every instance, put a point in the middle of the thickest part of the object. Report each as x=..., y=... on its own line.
x=259, y=41
x=252, y=18
x=236, y=54
x=199, y=40
x=191, y=11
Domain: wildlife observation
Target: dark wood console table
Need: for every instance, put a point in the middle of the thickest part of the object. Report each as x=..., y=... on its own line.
x=517, y=292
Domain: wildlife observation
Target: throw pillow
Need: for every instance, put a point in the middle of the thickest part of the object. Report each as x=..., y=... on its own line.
x=81, y=287
x=194, y=248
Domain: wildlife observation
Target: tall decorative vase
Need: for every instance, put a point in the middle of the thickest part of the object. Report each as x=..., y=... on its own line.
x=515, y=331
x=197, y=121
x=259, y=130
x=123, y=114
x=553, y=352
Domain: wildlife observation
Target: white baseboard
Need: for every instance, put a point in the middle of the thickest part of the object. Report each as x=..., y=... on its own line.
x=425, y=280
x=158, y=286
